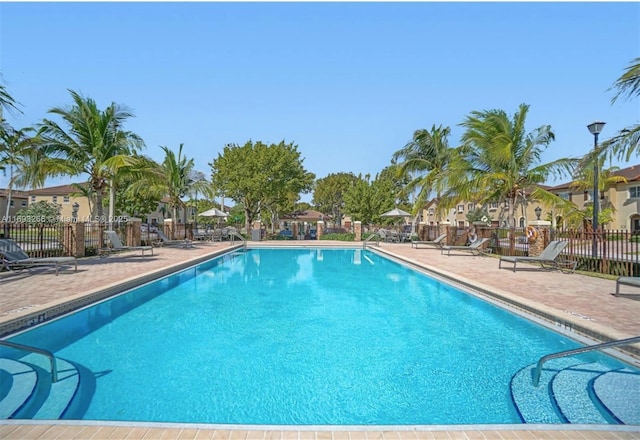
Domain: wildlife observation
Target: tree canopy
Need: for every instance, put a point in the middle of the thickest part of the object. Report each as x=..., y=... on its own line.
x=259, y=175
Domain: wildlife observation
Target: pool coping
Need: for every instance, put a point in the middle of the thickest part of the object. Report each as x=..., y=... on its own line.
x=29, y=318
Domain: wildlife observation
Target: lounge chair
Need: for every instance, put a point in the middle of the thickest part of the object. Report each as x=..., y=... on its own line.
x=201, y=234
x=474, y=248
x=14, y=258
x=548, y=259
x=117, y=246
x=165, y=241
x=438, y=242
x=626, y=281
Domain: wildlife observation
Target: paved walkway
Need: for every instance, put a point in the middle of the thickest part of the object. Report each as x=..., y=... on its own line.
x=574, y=302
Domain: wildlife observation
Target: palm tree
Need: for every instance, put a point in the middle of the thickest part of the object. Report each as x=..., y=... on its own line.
x=92, y=138
x=174, y=178
x=499, y=162
x=627, y=141
x=17, y=153
x=425, y=159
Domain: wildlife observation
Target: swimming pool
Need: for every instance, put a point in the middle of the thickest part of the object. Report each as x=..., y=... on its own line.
x=298, y=337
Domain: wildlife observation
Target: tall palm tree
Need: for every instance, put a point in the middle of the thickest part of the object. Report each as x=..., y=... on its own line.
x=91, y=138
x=174, y=178
x=627, y=141
x=498, y=161
x=424, y=160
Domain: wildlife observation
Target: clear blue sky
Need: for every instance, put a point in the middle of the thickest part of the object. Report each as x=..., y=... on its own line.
x=349, y=83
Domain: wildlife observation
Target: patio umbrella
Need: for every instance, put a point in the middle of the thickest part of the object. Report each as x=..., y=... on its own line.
x=396, y=212
x=214, y=212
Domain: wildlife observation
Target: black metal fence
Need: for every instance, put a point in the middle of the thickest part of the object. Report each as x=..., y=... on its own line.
x=612, y=252
x=608, y=252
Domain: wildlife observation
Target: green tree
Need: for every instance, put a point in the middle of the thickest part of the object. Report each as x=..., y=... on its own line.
x=424, y=161
x=257, y=176
x=40, y=212
x=92, y=143
x=627, y=141
x=499, y=161
x=329, y=194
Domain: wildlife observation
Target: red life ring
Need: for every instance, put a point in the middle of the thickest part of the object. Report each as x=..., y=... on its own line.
x=531, y=232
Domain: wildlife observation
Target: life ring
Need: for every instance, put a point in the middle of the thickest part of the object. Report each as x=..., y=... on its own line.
x=531, y=232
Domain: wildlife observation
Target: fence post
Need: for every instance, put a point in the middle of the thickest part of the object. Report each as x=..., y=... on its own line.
x=134, y=231
x=537, y=244
x=444, y=228
x=74, y=244
x=357, y=229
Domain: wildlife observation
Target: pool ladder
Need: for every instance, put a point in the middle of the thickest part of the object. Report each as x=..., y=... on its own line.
x=235, y=234
x=370, y=238
x=543, y=359
x=52, y=358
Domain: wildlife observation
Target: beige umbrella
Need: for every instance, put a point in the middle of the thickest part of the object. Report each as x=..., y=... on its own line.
x=214, y=212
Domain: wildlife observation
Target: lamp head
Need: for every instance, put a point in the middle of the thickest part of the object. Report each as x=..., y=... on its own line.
x=596, y=127
x=538, y=211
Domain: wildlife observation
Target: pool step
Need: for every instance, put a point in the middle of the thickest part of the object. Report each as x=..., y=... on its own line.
x=17, y=382
x=571, y=391
x=45, y=400
x=619, y=391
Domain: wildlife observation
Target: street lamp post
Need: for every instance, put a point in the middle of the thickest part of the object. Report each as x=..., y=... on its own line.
x=74, y=211
x=595, y=128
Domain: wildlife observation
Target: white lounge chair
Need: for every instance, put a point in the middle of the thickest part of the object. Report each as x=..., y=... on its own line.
x=438, y=242
x=548, y=258
x=14, y=258
x=117, y=246
x=474, y=248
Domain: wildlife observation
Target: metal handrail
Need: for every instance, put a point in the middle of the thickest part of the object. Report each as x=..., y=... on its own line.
x=236, y=234
x=369, y=238
x=52, y=358
x=543, y=359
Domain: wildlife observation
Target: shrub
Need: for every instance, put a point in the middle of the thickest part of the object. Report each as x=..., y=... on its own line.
x=339, y=237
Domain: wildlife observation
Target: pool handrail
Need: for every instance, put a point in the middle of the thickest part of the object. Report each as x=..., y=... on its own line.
x=234, y=234
x=369, y=238
x=52, y=358
x=543, y=359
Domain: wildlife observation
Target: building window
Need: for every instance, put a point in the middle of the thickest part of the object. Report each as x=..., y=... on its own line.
x=493, y=205
x=65, y=199
x=460, y=208
x=565, y=195
x=33, y=199
x=471, y=206
x=634, y=192
x=24, y=203
x=431, y=211
x=11, y=203
x=54, y=199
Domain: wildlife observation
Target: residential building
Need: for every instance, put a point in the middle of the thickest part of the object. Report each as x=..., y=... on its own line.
x=19, y=200
x=622, y=198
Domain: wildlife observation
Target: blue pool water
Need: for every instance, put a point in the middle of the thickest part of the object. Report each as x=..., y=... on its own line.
x=297, y=336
